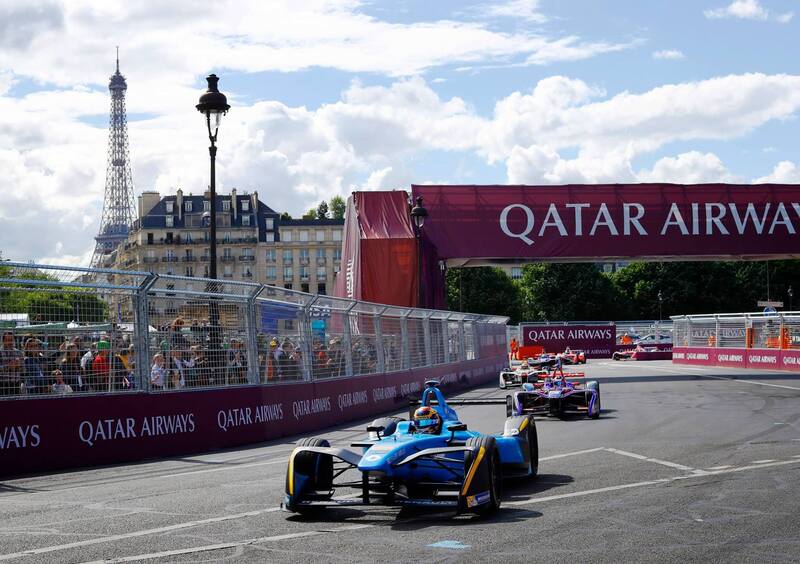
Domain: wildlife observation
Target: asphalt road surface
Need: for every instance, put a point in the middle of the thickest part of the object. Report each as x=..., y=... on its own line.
x=685, y=464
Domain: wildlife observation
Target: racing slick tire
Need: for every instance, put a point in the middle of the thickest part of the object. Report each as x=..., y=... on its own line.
x=509, y=406
x=533, y=445
x=616, y=356
x=487, y=477
x=318, y=467
x=389, y=425
x=502, y=383
x=594, y=385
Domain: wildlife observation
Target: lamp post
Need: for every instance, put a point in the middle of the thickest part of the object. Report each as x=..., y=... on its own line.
x=213, y=105
x=790, y=293
x=418, y=214
x=660, y=299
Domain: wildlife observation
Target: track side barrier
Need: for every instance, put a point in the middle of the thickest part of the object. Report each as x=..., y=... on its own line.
x=49, y=433
x=760, y=359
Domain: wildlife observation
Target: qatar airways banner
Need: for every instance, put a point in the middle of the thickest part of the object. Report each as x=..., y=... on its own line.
x=593, y=222
x=597, y=341
x=759, y=359
x=48, y=433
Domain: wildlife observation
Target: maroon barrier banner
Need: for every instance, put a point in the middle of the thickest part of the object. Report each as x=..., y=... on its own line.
x=591, y=222
x=597, y=341
x=50, y=433
x=761, y=359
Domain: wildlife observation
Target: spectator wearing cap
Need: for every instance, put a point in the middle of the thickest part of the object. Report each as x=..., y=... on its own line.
x=34, y=375
x=101, y=367
x=11, y=362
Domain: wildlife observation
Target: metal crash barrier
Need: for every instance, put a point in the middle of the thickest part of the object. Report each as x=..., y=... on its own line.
x=744, y=340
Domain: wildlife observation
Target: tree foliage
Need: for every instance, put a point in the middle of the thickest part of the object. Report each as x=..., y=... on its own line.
x=322, y=210
x=482, y=290
x=310, y=214
x=338, y=206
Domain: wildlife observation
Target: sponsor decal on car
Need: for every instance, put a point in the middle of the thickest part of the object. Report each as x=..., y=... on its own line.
x=477, y=499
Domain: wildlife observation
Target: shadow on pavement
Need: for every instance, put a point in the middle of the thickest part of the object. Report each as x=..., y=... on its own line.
x=524, y=488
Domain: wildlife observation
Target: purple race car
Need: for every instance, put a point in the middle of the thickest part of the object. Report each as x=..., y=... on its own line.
x=556, y=396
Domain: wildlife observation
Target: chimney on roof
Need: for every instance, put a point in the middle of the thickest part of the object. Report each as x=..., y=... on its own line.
x=147, y=201
x=180, y=204
x=233, y=202
x=254, y=203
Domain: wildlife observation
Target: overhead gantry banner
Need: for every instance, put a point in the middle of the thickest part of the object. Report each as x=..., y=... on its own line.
x=484, y=224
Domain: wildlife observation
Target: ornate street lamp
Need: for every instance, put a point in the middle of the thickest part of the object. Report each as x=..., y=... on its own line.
x=418, y=215
x=213, y=105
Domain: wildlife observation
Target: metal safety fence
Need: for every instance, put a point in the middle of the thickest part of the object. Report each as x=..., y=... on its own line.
x=739, y=330
x=78, y=330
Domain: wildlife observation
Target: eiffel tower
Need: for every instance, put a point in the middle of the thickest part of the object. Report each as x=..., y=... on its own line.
x=118, y=199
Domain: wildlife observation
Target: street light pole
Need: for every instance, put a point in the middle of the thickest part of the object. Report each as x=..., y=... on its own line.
x=418, y=214
x=790, y=292
x=660, y=299
x=213, y=104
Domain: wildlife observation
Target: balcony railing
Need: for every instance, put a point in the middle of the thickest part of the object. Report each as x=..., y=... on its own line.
x=322, y=277
x=150, y=260
x=169, y=259
x=227, y=274
x=321, y=261
x=189, y=258
x=305, y=260
x=205, y=258
x=247, y=258
x=248, y=274
x=225, y=258
x=288, y=261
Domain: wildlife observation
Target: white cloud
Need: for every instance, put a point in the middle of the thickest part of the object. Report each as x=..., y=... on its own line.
x=671, y=54
x=785, y=18
x=521, y=9
x=785, y=172
x=741, y=9
x=693, y=167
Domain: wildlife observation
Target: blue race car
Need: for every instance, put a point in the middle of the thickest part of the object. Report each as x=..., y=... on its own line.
x=556, y=396
x=430, y=461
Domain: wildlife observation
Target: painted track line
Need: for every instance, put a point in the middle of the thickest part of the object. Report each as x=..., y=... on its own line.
x=653, y=460
x=700, y=374
x=566, y=454
x=235, y=544
x=703, y=474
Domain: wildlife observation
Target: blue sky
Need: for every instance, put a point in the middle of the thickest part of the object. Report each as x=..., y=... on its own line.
x=331, y=96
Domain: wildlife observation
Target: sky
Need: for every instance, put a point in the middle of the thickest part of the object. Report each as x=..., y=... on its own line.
x=328, y=97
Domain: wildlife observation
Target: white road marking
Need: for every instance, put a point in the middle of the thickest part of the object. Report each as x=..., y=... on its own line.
x=649, y=483
x=723, y=467
x=226, y=468
x=576, y=453
x=693, y=369
x=222, y=546
x=752, y=382
x=653, y=460
x=763, y=461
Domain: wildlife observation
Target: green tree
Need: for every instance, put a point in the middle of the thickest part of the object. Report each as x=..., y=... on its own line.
x=485, y=290
x=567, y=292
x=285, y=216
x=322, y=210
x=310, y=214
x=338, y=207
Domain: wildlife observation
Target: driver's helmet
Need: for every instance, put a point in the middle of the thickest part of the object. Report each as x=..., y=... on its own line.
x=427, y=420
x=528, y=387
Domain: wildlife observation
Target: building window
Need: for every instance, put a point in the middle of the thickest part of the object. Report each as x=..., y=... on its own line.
x=247, y=272
x=206, y=205
x=188, y=206
x=337, y=235
x=320, y=235
x=304, y=274
x=320, y=255
x=246, y=220
x=245, y=205
x=169, y=204
x=321, y=273
x=272, y=273
x=304, y=288
x=205, y=271
x=248, y=252
x=303, y=235
x=271, y=255
x=149, y=238
x=287, y=256
x=516, y=272
x=288, y=286
x=170, y=255
x=226, y=205
x=286, y=236
x=226, y=254
x=304, y=256
x=287, y=273
x=189, y=271
x=170, y=221
x=270, y=223
x=337, y=254
x=228, y=272
x=270, y=237
x=321, y=290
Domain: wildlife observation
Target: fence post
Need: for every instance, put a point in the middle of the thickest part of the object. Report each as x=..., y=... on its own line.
x=446, y=338
x=347, y=341
x=380, y=358
x=716, y=332
x=305, y=343
x=426, y=334
x=462, y=349
x=406, y=350
x=141, y=332
x=251, y=330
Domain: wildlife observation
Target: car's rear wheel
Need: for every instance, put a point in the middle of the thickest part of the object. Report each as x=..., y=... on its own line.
x=533, y=446
x=594, y=413
x=389, y=425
